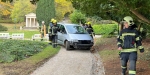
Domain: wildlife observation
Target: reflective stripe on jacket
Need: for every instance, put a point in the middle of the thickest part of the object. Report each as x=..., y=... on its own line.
x=129, y=40
x=54, y=30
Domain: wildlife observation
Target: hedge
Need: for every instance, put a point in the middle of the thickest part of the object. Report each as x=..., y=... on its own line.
x=14, y=50
x=3, y=28
x=105, y=29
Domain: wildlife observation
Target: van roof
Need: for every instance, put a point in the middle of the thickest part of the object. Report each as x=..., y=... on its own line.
x=67, y=24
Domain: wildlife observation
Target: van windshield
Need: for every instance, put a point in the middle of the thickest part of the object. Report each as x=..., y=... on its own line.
x=75, y=29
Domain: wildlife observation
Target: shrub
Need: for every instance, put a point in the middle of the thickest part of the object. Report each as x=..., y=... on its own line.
x=77, y=16
x=14, y=50
x=94, y=19
x=3, y=28
x=107, y=29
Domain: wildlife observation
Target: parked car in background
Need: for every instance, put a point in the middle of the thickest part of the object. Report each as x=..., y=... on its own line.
x=74, y=36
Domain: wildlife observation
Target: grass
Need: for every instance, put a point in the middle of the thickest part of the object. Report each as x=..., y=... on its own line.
x=11, y=26
x=107, y=48
x=108, y=54
x=46, y=53
x=27, y=33
x=27, y=66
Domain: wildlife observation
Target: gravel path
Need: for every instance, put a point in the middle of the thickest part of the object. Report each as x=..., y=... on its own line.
x=74, y=62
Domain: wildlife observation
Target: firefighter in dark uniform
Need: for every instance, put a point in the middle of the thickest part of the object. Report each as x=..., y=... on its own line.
x=128, y=43
x=85, y=26
x=90, y=30
x=51, y=23
x=50, y=32
x=54, y=31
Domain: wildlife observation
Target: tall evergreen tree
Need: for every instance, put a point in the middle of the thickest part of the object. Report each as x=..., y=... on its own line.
x=45, y=11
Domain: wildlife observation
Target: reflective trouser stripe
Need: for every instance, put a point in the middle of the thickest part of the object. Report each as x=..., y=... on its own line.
x=132, y=72
x=118, y=43
x=138, y=38
x=123, y=67
x=129, y=50
x=140, y=47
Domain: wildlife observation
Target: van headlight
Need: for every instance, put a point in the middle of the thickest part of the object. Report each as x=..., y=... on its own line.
x=74, y=40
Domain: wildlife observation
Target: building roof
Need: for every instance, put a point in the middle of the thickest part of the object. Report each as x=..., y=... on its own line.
x=31, y=15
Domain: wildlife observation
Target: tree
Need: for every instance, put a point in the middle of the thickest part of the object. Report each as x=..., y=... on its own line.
x=5, y=9
x=115, y=9
x=45, y=11
x=21, y=8
x=7, y=1
x=62, y=7
x=77, y=17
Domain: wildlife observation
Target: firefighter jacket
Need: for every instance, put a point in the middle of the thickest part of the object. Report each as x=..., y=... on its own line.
x=90, y=30
x=54, y=30
x=50, y=25
x=129, y=40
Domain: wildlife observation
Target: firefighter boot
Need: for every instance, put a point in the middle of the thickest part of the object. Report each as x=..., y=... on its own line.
x=123, y=73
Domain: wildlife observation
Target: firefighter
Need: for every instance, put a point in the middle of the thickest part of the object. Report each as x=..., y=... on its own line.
x=51, y=22
x=85, y=26
x=50, y=32
x=90, y=30
x=43, y=30
x=54, y=31
x=128, y=43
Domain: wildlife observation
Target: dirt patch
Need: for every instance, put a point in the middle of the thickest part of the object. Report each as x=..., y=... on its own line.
x=112, y=63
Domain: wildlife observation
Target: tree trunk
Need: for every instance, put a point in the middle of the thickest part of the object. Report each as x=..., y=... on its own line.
x=140, y=16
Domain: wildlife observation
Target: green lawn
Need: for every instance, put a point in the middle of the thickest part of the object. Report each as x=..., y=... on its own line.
x=27, y=33
x=26, y=66
x=108, y=54
x=11, y=26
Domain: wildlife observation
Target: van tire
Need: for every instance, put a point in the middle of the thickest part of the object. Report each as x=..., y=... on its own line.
x=88, y=48
x=67, y=45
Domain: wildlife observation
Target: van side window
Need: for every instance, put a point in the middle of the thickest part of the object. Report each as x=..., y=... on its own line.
x=62, y=29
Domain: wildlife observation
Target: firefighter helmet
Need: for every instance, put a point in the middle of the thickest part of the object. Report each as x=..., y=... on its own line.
x=129, y=20
x=52, y=20
x=89, y=23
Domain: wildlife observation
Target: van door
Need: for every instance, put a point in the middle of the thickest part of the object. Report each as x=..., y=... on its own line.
x=61, y=35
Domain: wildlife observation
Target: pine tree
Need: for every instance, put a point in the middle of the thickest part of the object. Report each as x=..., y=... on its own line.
x=45, y=11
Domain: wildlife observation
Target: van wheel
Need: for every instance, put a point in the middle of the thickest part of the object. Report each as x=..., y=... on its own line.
x=88, y=48
x=67, y=45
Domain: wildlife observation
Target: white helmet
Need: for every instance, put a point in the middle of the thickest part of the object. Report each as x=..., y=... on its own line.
x=43, y=22
x=129, y=20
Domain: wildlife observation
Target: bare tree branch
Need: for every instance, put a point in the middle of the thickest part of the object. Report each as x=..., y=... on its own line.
x=140, y=16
